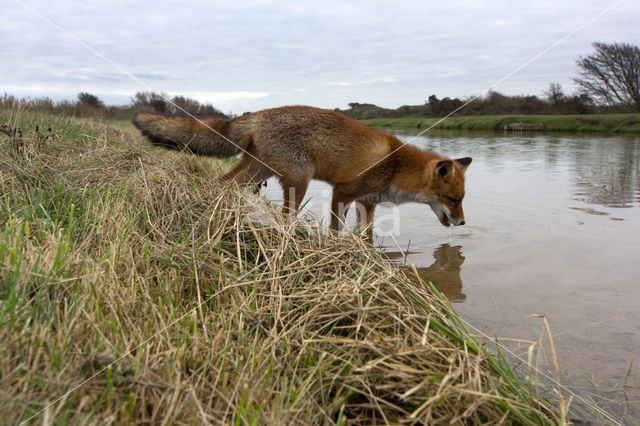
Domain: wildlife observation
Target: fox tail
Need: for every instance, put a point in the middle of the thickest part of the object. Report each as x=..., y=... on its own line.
x=209, y=136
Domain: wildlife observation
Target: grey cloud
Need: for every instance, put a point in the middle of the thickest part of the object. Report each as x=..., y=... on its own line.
x=390, y=53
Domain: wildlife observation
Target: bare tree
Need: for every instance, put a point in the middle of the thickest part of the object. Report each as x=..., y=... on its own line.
x=612, y=74
x=89, y=99
x=155, y=101
x=555, y=95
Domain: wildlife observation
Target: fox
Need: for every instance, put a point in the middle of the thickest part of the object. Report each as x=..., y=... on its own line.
x=298, y=143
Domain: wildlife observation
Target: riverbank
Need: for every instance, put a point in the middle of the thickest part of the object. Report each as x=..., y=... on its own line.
x=612, y=123
x=128, y=272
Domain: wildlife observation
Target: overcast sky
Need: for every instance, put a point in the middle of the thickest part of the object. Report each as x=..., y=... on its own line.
x=248, y=55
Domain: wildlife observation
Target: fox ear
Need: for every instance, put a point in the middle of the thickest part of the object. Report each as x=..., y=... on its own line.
x=464, y=162
x=443, y=168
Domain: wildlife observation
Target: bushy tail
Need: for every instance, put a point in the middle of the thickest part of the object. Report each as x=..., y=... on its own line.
x=187, y=134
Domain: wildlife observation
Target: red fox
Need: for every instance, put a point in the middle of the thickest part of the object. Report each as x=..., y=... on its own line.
x=300, y=143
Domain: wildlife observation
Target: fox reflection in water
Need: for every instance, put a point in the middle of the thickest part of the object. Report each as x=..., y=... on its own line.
x=444, y=273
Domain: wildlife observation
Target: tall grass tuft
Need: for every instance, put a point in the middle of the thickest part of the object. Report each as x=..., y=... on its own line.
x=133, y=267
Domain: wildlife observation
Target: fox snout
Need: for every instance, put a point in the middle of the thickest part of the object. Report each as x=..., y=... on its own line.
x=455, y=216
x=456, y=221
x=448, y=220
x=447, y=217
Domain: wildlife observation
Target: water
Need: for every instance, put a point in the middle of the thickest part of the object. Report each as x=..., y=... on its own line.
x=553, y=228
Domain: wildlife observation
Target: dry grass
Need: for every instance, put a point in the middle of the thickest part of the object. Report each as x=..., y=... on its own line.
x=111, y=249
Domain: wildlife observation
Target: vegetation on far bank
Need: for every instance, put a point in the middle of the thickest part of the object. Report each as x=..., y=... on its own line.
x=129, y=267
x=88, y=105
x=608, y=82
x=492, y=103
x=613, y=123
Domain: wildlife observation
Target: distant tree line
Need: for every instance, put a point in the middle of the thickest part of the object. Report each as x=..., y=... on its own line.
x=89, y=105
x=608, y=81
x=555, y=101
x=176, y=105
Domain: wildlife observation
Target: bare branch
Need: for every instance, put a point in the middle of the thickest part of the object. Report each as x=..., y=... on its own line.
x=612, y=74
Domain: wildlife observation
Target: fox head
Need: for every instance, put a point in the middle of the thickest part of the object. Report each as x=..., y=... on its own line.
x=446, y=189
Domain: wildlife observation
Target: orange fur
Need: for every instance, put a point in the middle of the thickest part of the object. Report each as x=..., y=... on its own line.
x=300, y=143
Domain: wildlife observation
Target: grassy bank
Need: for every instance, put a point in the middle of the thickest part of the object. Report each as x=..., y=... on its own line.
x=613, y=123
x=131, y=269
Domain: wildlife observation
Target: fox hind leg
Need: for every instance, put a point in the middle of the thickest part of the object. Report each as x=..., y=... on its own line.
x=294, y=191
x=364, y=212
x=238, y=169
x=339, y=208
x=248, y=171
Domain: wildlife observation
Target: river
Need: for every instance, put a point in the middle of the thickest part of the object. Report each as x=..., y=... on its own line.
x=553, y=228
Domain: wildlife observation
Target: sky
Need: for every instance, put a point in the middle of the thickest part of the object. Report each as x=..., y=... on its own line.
x=249, y=55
